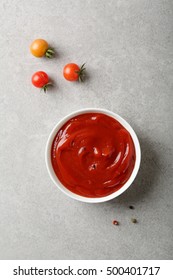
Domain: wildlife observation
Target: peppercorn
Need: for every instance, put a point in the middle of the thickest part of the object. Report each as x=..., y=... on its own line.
x=116, y=223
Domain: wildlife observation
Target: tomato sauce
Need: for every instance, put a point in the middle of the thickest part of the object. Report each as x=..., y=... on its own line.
x=93, y=155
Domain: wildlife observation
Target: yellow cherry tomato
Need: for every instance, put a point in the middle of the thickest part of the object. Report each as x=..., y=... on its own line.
x=41, y=48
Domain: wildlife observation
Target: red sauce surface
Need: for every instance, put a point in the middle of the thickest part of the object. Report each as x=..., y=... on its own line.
x=93, y=155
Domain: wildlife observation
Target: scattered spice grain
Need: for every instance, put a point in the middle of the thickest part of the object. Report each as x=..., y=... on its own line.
x=115, y=223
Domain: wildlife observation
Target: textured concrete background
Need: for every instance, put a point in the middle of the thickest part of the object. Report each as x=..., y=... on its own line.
x=128, y=48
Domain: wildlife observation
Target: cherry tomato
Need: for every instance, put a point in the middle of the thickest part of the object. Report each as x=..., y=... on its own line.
x=72, y=72
x=41, y=48
x=41, y=80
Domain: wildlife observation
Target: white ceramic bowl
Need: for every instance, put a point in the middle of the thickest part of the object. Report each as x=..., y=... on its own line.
x=55, y=178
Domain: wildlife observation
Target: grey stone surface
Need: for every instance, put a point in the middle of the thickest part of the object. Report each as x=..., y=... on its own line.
x=128, y=48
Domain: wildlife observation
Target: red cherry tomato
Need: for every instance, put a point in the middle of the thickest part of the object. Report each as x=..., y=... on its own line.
x=41, y=80
x=72, y=72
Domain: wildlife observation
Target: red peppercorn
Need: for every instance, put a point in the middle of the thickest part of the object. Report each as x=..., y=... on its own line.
x=115, y=223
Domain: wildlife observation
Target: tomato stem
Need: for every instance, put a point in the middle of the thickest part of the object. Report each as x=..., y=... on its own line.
x=81, y=73
x=46, y=86
x=50, y=53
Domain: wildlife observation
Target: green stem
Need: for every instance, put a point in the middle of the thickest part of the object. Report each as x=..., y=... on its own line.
x=45, y=87
x=50, y=53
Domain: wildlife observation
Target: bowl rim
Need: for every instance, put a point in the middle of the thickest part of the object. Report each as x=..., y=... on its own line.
x=55, y=179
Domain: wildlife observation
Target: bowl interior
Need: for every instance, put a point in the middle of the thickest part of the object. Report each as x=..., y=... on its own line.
x=55, y=178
